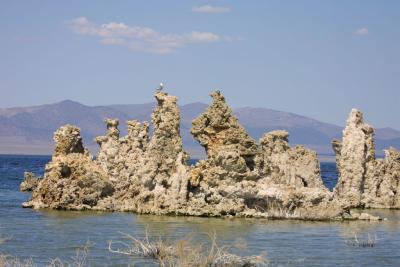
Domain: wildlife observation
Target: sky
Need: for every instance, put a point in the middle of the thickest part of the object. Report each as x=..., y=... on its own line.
x=314, y=58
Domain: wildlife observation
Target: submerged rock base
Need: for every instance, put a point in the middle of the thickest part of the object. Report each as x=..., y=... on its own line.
x=239, y=177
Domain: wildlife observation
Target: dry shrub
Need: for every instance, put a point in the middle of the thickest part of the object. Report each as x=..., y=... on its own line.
x=79, y=260
x=9, y=261
x=185, y=252
x=367, y=241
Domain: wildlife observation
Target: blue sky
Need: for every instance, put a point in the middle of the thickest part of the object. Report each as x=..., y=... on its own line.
x=315, y=58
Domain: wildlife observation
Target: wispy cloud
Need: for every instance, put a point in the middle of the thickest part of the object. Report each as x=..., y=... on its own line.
x=210, y=9
x=362, y=31
x=140, y=38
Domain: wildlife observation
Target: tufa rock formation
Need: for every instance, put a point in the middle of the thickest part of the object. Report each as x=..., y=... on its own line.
x=239, y=177
x=109, y=154
x=72, y=180
x=296, y=166
x=218, y=129
x=160, y=181
x=227, y=145
x=365, y=181
x=119, y=157
x=30, y=182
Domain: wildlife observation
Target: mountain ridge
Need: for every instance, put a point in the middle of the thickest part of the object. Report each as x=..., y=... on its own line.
x=29, y=130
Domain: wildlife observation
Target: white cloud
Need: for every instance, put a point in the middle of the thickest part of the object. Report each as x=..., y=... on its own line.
x=113, y=41
x=140, y=38
x=362, y=31
x=203, y=37
x=210, y=9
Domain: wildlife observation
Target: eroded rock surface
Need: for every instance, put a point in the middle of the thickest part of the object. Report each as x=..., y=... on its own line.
x=239, y=177
x=159, y=183
x=72, y=180
x=231, y=152
x=30, y=182
x=242, y=178
x=297, y=166
x=217, y=129
x=119, y=156
x=109, y=154
x=364, y=180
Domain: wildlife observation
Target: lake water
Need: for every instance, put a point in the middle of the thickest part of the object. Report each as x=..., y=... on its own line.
x=42, y=235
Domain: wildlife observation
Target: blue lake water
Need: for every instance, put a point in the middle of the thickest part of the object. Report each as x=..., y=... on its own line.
x=43, y=235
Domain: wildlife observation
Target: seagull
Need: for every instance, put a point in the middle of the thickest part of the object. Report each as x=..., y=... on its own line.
x=160, y=87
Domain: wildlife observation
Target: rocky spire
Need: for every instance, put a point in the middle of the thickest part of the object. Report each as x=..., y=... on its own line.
x=365, y=181
x=165, y=144
x=355, y=155
x=109, y=153
x=161, y=178
x=68, y=140
x=217, y=129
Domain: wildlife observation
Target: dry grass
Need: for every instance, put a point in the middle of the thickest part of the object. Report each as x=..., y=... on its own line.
x=367, y=241
x=79, y=260
x=275, y=210
x=182, y=253
x=9, y=261
x=185, y=252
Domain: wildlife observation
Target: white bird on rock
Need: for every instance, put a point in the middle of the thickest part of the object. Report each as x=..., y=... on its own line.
x=160, y=87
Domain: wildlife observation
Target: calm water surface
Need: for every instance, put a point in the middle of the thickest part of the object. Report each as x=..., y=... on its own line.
x=42, y=235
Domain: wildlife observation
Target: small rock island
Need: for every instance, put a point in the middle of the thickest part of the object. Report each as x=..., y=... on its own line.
x=239, y=177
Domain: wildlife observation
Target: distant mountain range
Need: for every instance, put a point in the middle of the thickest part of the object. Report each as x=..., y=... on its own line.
x=29, y=130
